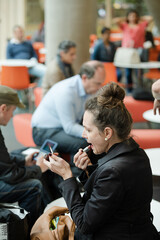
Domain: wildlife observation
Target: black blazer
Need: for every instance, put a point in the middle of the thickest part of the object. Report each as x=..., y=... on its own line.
x=116, y=202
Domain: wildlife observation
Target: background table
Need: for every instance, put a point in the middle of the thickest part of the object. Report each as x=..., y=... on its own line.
x=141, y=65
x=18, y=62
x=153, y=120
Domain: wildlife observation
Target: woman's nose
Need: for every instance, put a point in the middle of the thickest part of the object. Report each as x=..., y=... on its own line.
x=84, y=135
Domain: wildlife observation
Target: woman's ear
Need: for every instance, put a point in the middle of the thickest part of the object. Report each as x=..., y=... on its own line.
x=108, y=132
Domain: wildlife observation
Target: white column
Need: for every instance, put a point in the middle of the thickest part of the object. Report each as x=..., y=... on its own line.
x=108, y=19
x=11, y=12
x=154, y=9
x=69, y=20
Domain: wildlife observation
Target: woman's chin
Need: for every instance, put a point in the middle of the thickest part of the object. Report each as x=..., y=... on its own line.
x=95, y=152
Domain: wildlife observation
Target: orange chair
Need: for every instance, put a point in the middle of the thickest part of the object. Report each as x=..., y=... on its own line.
x=28, y=37
x=153, y=54
x=17, y=77
x=137, y=108
x=147, y=138
x=23, y=130
x=153, y=74
x=92, y=38
x=37, y=46
x=117, y=30
x=116, y=35
x=111, y=74
x=37, y=96
x=110, y=70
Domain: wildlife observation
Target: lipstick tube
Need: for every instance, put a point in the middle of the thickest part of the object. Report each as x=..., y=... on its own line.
x=86, y=149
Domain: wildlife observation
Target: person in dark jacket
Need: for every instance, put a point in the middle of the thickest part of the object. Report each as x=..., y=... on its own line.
x=19, y=177
x=104, y=50
x=118, y=189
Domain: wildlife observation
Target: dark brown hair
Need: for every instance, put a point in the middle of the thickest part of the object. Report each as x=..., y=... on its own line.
x=132, y=11
x=109, y=110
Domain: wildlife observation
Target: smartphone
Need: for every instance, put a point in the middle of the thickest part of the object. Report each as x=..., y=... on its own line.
x=45, y=148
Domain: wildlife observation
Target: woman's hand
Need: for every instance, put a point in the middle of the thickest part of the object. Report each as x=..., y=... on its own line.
x=81, y=160
x=59, y=165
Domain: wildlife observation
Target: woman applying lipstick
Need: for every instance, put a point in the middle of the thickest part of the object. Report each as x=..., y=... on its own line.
x=118, y=189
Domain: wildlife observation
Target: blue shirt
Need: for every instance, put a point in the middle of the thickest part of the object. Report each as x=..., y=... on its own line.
x=23, y=50
x=62, y=107
x=102, y=53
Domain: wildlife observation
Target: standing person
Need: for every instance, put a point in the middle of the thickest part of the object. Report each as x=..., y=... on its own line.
x=118, y=189
x=61, y=67
x=19, y=48
x=104, y=50
x=134, y=29
x=19, y=177
x=156, y=95
x=39, y=35
x=59, y=114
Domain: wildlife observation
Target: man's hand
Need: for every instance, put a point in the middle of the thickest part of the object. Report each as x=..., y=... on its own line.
x=156, y=106
x=29, y=160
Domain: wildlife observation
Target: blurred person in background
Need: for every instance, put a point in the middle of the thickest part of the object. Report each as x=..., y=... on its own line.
x=59, y=115
x=134, y=30
x=19, y=48
x=61, y=67
x=104, y=50
x=39, y=36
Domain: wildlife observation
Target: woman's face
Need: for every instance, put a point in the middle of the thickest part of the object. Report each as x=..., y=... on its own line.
x=132, y=17
x=93, y=135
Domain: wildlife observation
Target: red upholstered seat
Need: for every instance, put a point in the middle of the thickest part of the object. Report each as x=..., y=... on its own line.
x=23, y=130
x=147, y=138
x=37, y=96
x=137, y=108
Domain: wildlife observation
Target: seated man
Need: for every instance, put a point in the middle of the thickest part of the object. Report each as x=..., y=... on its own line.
x=18, y=48
x=59, y=115
x=19, y=177
x=60, y=67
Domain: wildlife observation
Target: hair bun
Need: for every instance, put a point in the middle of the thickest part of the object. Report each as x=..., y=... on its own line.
x=110, y=95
